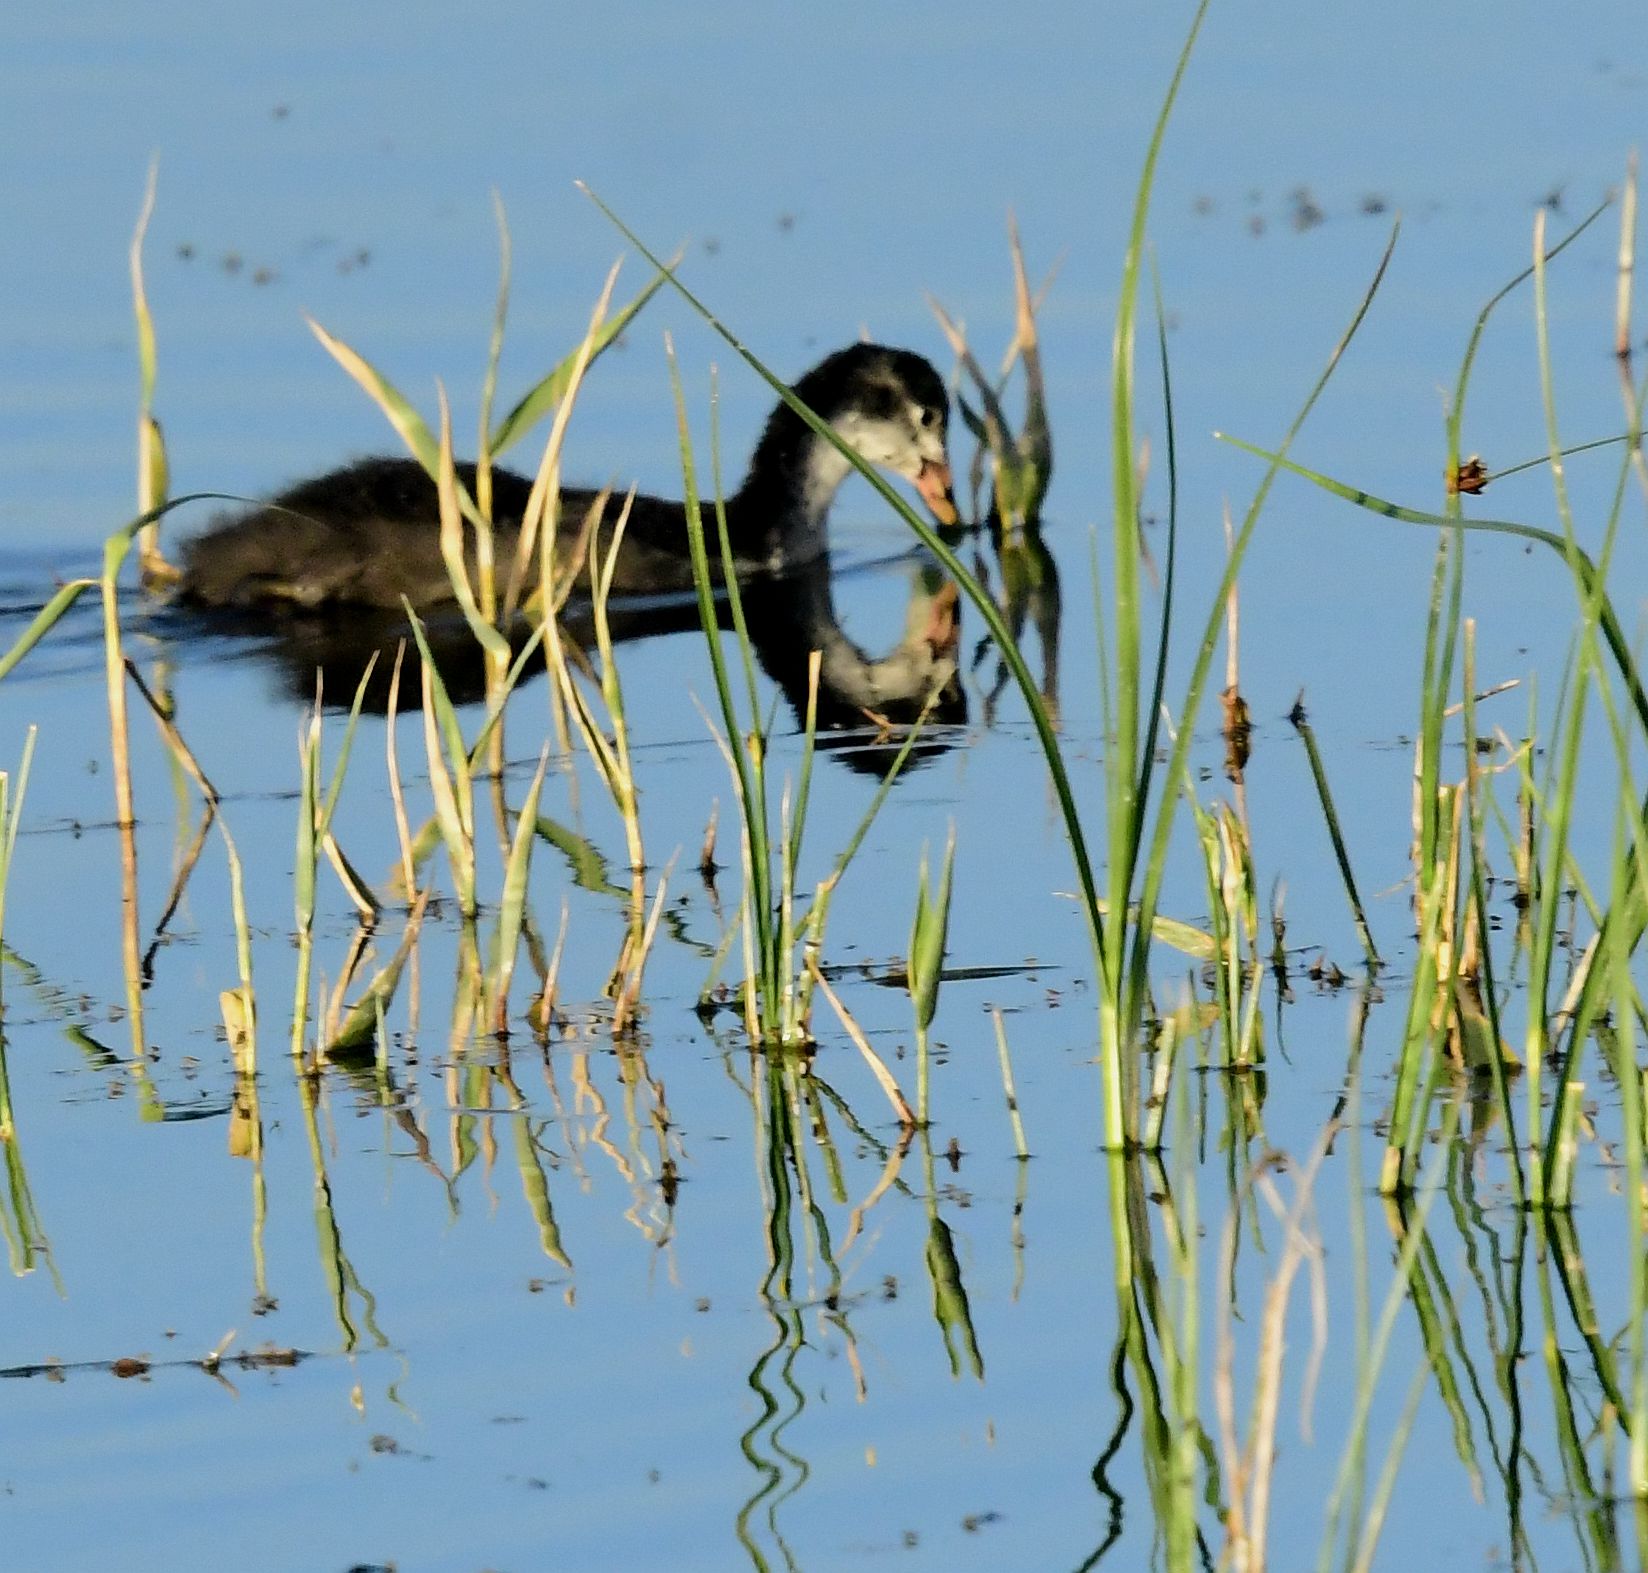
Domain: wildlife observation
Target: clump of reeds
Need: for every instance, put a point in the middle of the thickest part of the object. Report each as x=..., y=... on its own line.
x=778, y=985
x=1453, y=1017
x=535, y=581
x=1020, y=463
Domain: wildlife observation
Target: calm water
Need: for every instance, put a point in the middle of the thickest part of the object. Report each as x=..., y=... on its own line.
x=592, y=1308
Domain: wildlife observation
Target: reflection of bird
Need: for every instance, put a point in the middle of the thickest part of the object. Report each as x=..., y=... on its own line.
x=860, y=697
x=796, y=616
x=368, y=534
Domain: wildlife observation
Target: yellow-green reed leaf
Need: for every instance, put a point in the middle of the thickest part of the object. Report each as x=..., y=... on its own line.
x=308, y=820
x=239, y=1028
x=17, y=792
x=450, y=788
x=809, y=743
x=497, y=696
x=878, y=1067
x=950, y=1307
x=447, y=815
x=494, y=352
x=140, y=299
x=452, y=544
x=323, y=826
x=152, y=476
x=7, y=821
x=512, y=904
x=410, y=425
x=540, y=523
x=927, y=937
x=154, y=473
x=542, y=399
x=535, y=1188
x=44, y=622
x=360, y=1026
x=1183, y=937
x=11, y=814
x=354, y=882
x=589, y=868
x=118, y=543
x=446, y=716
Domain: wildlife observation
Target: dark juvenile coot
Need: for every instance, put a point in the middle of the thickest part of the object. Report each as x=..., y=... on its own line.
x=368, y=534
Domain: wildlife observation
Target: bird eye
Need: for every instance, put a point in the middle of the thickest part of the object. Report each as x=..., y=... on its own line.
x=928, y=418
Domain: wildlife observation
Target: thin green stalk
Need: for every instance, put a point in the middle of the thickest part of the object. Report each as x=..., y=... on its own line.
x=152, y=470
x=748, y=762
x=1009, y=1090
x=1174, y=770
x=1634, y=1157
x=1414, y=1218
x=1340, y=852
x=1479, y=905
x=315, y=812
x=1127, y=768
x=489, y=387
x=512, y=902
x=1419, y=1044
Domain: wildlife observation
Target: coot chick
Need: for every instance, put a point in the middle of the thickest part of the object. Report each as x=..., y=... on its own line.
x=369, y=534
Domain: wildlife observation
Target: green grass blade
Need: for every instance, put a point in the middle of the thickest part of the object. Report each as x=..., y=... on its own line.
x=43, y=623
x=512, y=903
x=542, y=399
x=1341, y=853
x=494, y=353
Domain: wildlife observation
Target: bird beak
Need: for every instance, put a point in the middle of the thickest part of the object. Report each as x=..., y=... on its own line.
x=942, y=626
x=933, y=482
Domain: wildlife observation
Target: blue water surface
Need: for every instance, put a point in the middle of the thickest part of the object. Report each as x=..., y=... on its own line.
x=594, y=1305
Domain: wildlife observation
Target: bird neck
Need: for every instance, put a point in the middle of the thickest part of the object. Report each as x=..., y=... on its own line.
x=793, y=478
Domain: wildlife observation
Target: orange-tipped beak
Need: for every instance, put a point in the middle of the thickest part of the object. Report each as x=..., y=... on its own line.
x=933, y=482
